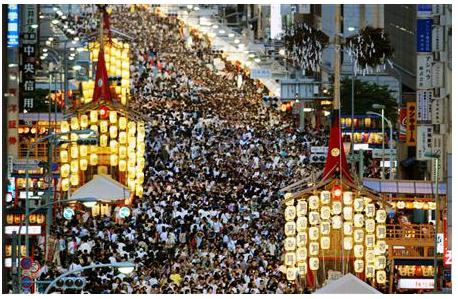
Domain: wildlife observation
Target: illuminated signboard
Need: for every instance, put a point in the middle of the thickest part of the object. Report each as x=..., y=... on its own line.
x=13, y=26
x=416, y=283
x=33, y=229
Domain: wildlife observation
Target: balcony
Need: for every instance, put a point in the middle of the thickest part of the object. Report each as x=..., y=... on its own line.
x=415, y=235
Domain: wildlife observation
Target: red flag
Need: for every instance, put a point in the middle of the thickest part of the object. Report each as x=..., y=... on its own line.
x=336, y=152
x=101, y=86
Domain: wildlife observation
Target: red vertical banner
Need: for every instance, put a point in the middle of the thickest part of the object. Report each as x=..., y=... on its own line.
x=411, y=124
x=402, y=124
x=444, y=217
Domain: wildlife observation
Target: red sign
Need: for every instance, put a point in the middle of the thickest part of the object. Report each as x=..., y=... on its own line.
x=403, y=124
x=12, y=140
x=448, y=258
x=411, y=124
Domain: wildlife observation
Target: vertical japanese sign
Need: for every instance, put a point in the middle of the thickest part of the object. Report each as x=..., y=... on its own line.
x=424, y=76
x=437, y=111
x=438, y=148
x=424, y=38
x=411, y=124
x=29, y=53
x=13, y=26
x=402, y=124
x=424, y=141
x=424, y=99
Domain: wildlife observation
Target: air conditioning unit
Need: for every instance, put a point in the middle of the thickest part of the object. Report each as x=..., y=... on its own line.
x=318, y=154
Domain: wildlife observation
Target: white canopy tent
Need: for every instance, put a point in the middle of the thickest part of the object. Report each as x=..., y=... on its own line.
x=104, y=188
x=348, y=284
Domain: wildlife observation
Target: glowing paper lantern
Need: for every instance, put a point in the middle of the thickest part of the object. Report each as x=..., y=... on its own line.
x=122, y=165
x=63, y=156
x=113, y=131
x=348, y=213
x=358, y=266
x=348, y=228
x=370, y=240
x=302, y=268
x=84, y=121
x=122, y=123
x=83, y=164
x=348, y=198
x=348, y=243
x=139, y=190
x=370, y=271
x=325, y=242
x=380, y=216
x=113, y=116
x=370, y=210
x=122, y=152
x=103, y=140
x=290, y=258
x=74, y=152
x=114, y=146
x=291, y=273
x=93, y=159
x=140, y=177
x=113, y=159
x=301, y=224
x=74, y=124
x=290, y=243
x=74, y=179
x=301, y=208
x=65, y=184
x=358, y=235
x=358, y=250
x=73, y=137
x=314, y=248
x=74, y=166
x=381, y=231
x=290, y=212
x=290, y=228
x=314, y=263
x=370, y=225
x=325, y=197
x=336, y=207
x=64, y=170
x=358, y=204
x=83, y=150
x=132, y=128
x=325, y=212
x=301, y=254
x=64, y=127
x=400, y=205
x=336, y=222
x=301, y=239
x=314, y=218
x=122, y=138
x=94, y=128
x=314, y=233
x=358, y=220
x=381, y=247
x=380, y=262
x=325, y=227
x=103, y=126
x=313, y=202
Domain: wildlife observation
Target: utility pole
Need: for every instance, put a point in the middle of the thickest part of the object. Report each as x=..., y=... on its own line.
x=337, y=57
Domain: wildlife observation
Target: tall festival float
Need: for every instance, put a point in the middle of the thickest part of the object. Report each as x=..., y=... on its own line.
x=334, y=227
x=120, y=150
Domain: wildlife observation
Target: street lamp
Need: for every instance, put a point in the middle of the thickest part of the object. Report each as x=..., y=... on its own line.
x=436, y=157
x=123, y=267
x=382, y=107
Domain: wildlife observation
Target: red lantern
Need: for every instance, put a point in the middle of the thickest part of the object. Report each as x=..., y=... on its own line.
x=103, y=113
x=336, y=192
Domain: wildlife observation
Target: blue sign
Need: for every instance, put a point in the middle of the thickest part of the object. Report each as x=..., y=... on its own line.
x=424, y=38
x=13, y=26
x=26, y=263
x=68, y=213
x=124, y=212
x=424, y=7
x=26, y=282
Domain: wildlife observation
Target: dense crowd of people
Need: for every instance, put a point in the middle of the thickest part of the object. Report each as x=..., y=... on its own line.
x=210, y=220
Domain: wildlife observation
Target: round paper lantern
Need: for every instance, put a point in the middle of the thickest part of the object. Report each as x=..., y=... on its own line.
x=400, y=204
x=348, y=213
x=64, y=127
x=370, y=210
x=432, y=205
x=84, y=121
x=325, y=242
x=409, y=205
x=113, y=159
x=93, y=159
x=336, y=207
x=74, y=179
x=122, y=137
x=131, y=184
x=103, y=140
x=290, y=258
x=94, y=116
x=380, y=216
x=103, y=126
x=290, y=213
x=74, y=152
x=348, y=228
x=325, y=212
x=325, y=227
x=325, y=197
x=113, y=116
x=336, y=222
x=291, y=273
x=313, y=202
x=370, y=271
x=74, y=166
x=417, y=205
x=380, y=262
x=358, y=250
x=290, y=243
x=370, y=240
x=122, y=123
x=65, y=184
x=370, y=225
x=114, y=146
x=74, y=123
x=301, y=254
x=314, y=248
x=132, y=128
x=113, y=131
x=358, y=235
x=122, y=165
x=370, y=256
x=348, y=198
x=314, y=263
x=301, y=239
x=358, y=265
x=122, y=152
x=381, y=246
x=358, y=220
x=63, y=156
x=358, y=204
x=314, y=218
x=314, y=233
x=381, y=231
x=83, y=164
x=64, y=170
x=302, y=268
x=83, y=150
x=301, y=224
x=290, y=228
x=301, y=208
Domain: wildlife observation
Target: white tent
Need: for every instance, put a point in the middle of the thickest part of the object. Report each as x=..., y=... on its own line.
x=348, y=284
x=102, y=187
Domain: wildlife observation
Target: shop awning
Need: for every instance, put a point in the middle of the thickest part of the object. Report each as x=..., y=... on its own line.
x=348, y=284
x=404, y=186
x=102, y=187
